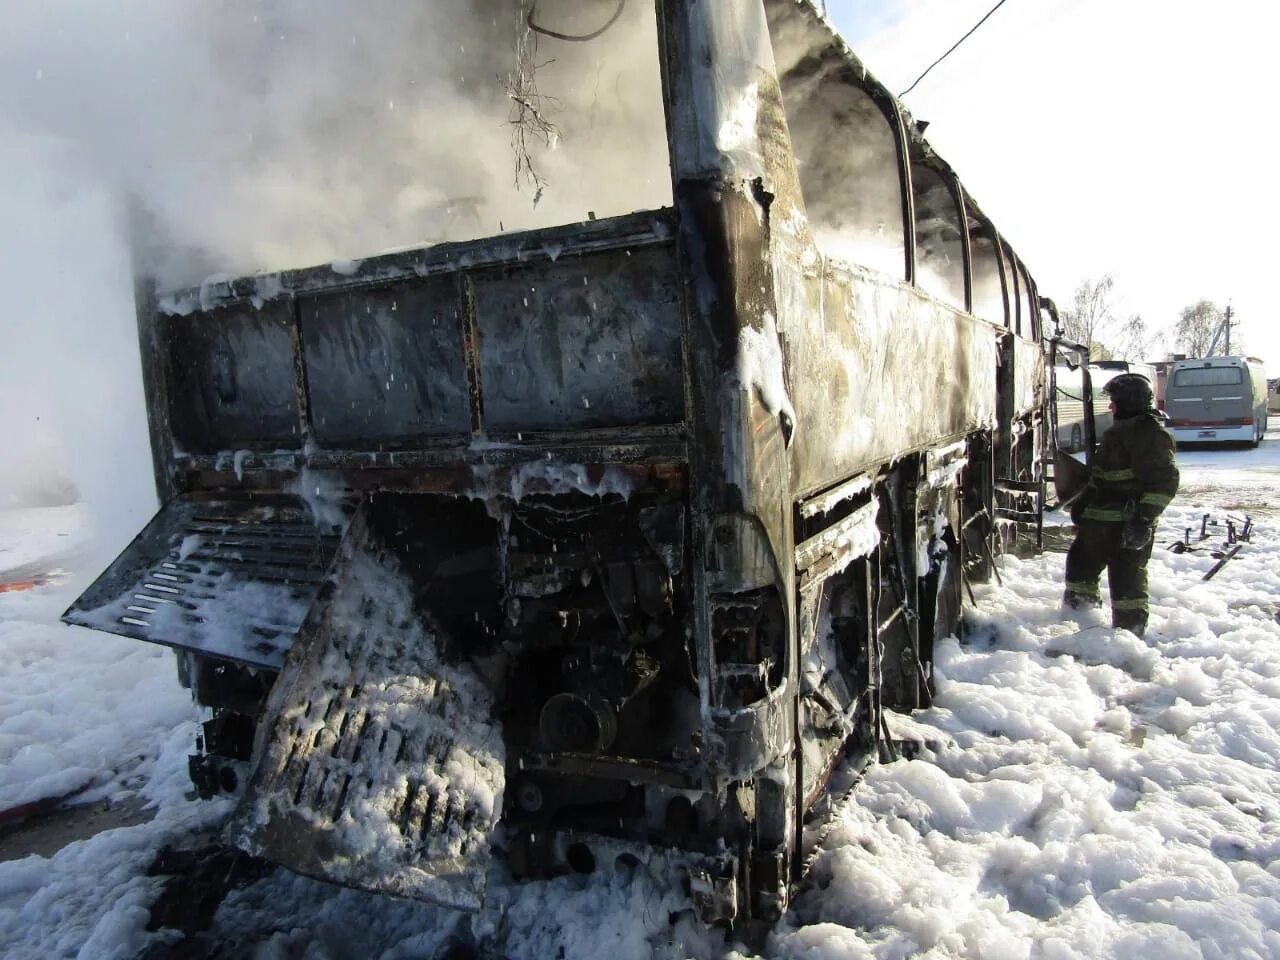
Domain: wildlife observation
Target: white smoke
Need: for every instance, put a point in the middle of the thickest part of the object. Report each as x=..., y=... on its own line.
x=266, y=135
x=287, y=133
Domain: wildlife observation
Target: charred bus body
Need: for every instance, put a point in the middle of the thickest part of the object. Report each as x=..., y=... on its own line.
x=588, y=541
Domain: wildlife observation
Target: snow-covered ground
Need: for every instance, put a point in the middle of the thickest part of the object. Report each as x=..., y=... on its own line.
x=1090, y=794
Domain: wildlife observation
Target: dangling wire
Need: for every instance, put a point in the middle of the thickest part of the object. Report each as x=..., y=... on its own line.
x=571, y=37
x=529, y=110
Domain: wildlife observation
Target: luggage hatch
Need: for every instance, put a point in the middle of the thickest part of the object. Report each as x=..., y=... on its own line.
x=230, y=578
x=377, y=765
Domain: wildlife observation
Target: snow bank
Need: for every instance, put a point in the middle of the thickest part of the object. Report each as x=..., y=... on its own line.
x=1088, y=793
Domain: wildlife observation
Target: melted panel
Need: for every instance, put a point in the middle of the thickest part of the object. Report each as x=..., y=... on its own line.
x=590, y=342
x=386, y=364
x=233, y=377
x=876, y=370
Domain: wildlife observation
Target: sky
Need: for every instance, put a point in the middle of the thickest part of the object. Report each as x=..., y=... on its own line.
x=1084, y=792
x=1104, y=136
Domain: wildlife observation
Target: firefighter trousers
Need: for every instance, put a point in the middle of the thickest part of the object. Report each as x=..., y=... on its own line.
x=1097, y=547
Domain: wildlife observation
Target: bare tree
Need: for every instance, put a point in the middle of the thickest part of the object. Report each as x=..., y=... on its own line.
x=1197, y=326
x=1132, y=340
x=1092, y=320
x=1091, y=310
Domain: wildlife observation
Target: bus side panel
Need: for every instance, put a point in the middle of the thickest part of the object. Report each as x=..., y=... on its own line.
x=876, y=370
x=1028, y=377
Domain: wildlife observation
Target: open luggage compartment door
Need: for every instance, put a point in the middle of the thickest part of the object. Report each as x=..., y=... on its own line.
x=229, y=577
x=377, y=764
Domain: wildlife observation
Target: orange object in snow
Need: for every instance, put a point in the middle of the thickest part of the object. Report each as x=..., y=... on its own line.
x=16, y=585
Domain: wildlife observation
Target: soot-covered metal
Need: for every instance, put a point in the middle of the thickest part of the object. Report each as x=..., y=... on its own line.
x=651, y=520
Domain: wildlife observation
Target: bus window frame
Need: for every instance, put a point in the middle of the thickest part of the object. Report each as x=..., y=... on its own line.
x=1009, y=274
x=973, y=213
x=1029, y=328
x=892, y=113
x=925, y=158
x=1037, y=314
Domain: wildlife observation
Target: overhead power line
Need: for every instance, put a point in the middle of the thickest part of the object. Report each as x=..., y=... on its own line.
x=953, y=47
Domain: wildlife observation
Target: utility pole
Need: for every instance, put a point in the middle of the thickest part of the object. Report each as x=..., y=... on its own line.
x=1224, y=329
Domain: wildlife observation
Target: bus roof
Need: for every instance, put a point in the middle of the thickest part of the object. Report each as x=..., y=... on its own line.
x=1215, y=362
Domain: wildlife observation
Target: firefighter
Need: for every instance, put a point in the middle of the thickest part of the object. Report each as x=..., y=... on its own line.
x=1132, y=479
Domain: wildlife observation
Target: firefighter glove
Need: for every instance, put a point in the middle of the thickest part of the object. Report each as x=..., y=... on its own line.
x=1146, y=513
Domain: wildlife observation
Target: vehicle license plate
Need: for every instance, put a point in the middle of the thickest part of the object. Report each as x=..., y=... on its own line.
x=1207, y=433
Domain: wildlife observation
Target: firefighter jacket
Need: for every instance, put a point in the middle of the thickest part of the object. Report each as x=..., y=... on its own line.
x=1133, y=474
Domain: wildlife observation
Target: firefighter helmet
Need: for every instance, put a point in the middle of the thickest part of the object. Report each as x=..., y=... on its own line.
x=1130, y=392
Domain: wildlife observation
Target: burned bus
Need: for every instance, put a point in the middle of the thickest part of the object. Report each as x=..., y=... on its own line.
x=613, y=538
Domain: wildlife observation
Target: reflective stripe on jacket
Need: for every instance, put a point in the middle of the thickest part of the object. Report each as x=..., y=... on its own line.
x=1134, y=472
